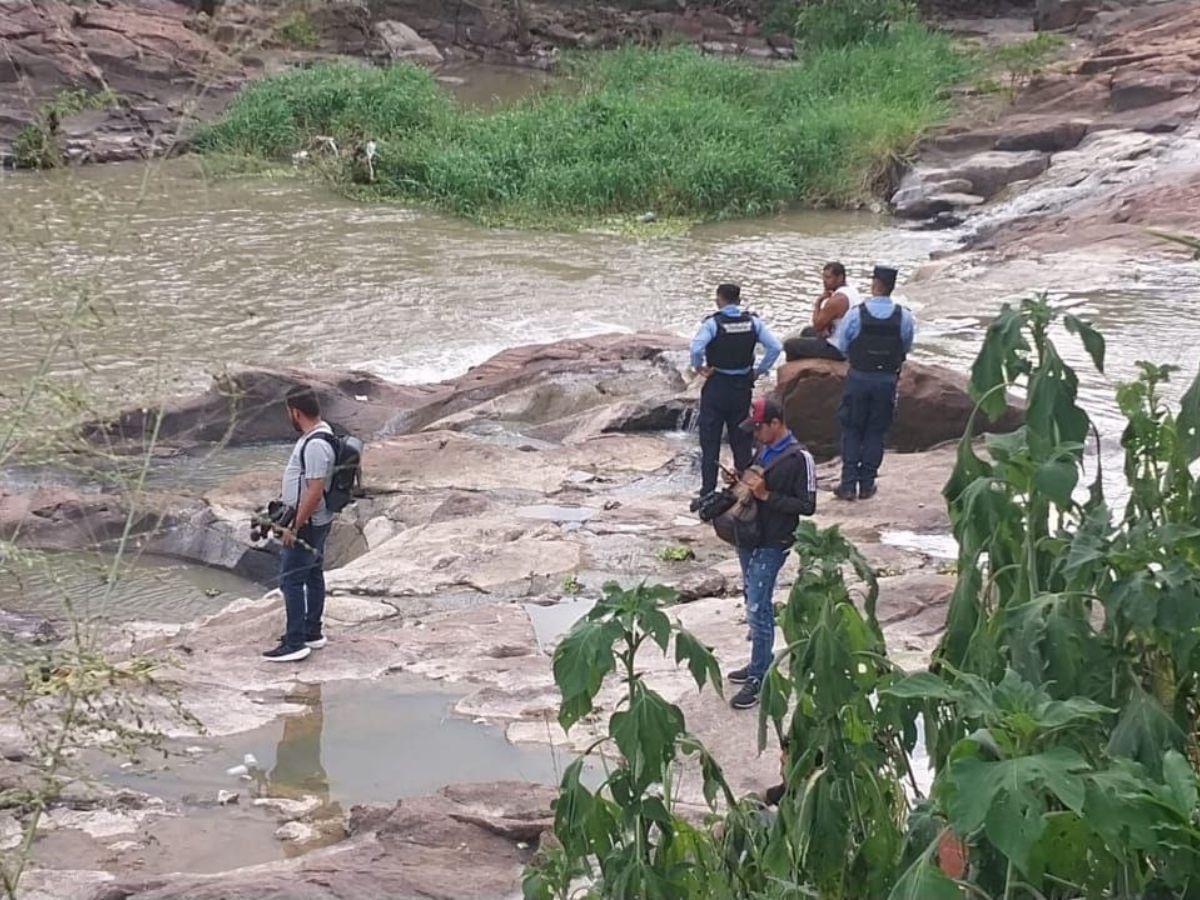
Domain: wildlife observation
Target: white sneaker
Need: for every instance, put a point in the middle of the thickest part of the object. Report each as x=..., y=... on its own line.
x=317, y=644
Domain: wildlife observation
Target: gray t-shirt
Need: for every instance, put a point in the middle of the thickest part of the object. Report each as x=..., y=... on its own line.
x=318, y=463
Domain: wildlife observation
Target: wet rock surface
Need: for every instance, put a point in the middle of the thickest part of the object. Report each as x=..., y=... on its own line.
x=506, y=498
x=465, y=841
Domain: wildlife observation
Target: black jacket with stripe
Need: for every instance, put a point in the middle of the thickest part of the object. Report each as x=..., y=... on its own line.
x=791, y=493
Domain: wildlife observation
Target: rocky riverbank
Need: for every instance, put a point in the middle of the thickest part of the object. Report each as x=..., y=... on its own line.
x=521, y=487
x=167, y=65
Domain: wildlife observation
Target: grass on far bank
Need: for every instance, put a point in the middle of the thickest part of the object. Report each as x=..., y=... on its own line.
x=632, y=131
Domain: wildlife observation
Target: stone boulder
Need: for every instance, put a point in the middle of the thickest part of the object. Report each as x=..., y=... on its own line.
x=466, y=841
x=1136, y=89
x=991, y=171
x=1051, y=15
x=247, y=406
x=933, y=406
x=402, y=44
x=1044, y=135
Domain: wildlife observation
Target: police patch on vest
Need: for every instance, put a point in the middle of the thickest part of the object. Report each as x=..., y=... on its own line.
x=737, y=327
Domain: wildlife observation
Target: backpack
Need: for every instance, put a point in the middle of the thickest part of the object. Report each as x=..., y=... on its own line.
x=346, y=481
x=738, y=524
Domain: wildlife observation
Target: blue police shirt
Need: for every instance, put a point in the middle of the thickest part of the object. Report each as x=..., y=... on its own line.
x=708, y=331
x=880, y=308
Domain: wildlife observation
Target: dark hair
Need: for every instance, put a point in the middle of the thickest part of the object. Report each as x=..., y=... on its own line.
x=730, y=293
x=888, y=282
x=835, y=268
x=304, y=399
x=772, y=410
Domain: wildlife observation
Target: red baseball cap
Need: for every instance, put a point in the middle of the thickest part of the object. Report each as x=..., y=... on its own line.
x=762, y=409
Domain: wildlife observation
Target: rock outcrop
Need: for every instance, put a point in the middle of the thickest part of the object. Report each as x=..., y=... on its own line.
x=541, y=383
x=469, y=840
x=933, y=405
x=1067, y=138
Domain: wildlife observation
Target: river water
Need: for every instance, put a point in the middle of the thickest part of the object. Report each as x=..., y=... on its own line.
x=183, y=275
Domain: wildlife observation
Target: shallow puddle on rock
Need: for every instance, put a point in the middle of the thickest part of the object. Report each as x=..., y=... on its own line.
x=939, y=546
x=550, y=623
x=353, y=742
x=147, y=588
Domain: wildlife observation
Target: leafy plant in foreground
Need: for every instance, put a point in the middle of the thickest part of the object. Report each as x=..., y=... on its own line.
x=624, y=838
x=840, y=827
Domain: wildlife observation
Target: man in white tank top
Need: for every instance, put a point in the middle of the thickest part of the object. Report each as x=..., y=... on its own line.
x=829, y=313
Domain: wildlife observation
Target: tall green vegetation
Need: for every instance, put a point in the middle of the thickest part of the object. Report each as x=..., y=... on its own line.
x=668, y=131
x=1059, y=711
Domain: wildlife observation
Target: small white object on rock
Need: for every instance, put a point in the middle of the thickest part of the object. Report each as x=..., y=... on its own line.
x=235, y=771
x=249, y=760
x=226, y=798
x=295, y=832
x=288, y=809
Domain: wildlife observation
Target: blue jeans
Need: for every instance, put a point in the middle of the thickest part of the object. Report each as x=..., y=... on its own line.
x=760, y=568
x=866, y=412
x=302, y=580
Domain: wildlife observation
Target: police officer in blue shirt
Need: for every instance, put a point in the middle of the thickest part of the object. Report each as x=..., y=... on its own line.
x=876, y=338
x=723, y=350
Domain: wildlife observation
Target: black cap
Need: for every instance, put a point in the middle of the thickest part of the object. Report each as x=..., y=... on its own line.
x=885, y=272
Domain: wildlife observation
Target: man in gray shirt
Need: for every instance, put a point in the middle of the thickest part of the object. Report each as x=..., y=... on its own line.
x=301, y=572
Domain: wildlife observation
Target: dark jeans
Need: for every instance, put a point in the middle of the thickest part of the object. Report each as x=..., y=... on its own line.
x=760, y=569
x=809, y=346
x=302, y=580
x=866, y=412
x=724, y=405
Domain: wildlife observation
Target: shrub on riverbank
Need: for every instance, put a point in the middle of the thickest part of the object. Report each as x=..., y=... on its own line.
x=627, y=132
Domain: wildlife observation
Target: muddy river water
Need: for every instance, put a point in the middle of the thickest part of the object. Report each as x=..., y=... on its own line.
x=173, y=276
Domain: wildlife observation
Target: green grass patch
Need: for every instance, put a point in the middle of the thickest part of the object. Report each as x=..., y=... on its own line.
x=672, y=132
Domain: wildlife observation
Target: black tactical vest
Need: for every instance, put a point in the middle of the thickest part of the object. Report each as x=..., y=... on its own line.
x=878, y=347
x=733, y=347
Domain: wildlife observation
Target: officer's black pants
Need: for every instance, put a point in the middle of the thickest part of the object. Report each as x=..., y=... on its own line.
x=724, y=405
x=866, y=412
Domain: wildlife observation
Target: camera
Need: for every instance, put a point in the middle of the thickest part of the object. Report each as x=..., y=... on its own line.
x=271, y=518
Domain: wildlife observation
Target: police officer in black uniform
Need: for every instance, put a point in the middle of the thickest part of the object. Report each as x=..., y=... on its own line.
x=723, y=350
x=876, y=339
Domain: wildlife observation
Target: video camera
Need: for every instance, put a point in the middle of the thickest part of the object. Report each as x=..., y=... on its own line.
x=270, y=519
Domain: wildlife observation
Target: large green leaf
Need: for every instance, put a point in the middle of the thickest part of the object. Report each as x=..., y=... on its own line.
x=701, y=663
x=581, y=661
x=1093, y=341
x=1144, y=731
x=1187, y=422
x=1056, y=478
x=1009, y=798
x=994, y=366
x=645, y=733
x=925, y=881
x=1180, y=778
x=923, y=686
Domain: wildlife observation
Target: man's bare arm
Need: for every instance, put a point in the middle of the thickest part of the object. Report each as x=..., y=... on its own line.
x=831, y=310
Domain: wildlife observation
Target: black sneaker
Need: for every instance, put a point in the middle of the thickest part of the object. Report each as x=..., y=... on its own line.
x=738, y=676
x=844, y=492
x=312, y=642
x=283, y=654
x=747, y=697
x=866, y=493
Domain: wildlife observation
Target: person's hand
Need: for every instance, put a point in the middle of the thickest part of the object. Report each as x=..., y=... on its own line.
x=730, y=476
x=287, y=537
x=704, y=371
x=756, y=483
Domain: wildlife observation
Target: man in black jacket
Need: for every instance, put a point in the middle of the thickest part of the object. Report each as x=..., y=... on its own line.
x=785, y=490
